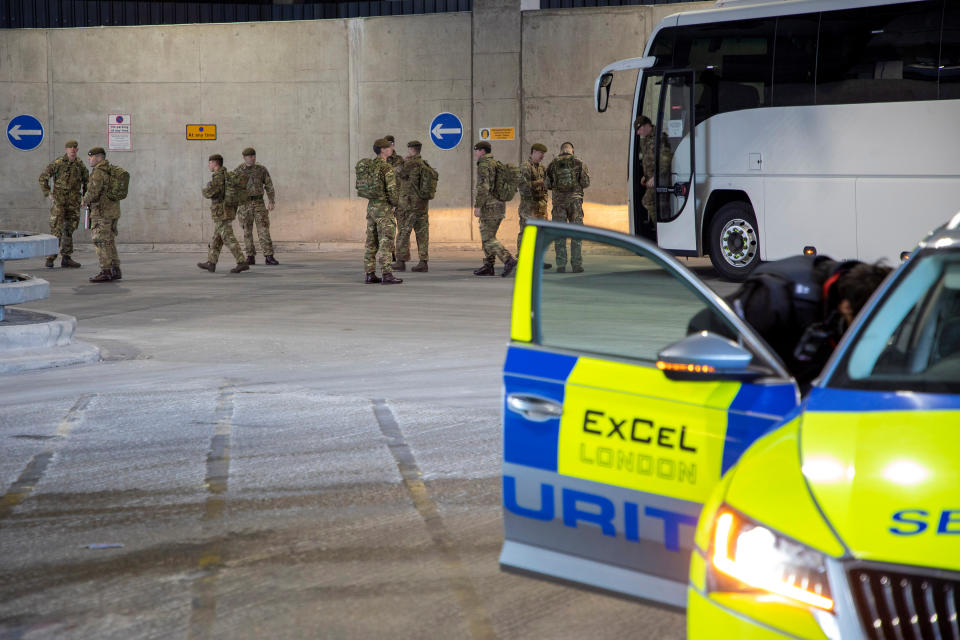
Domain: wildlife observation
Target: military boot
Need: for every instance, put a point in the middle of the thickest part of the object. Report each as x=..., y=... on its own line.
x=421, y=267
x=578, y=269
x=270, y=259
x=399, y=265
x=389, y=278
x=547, y=265
x=105, y=275
x=67, y=261
x=209, y=266
x=561, y=269
x=509, y=266
x=372, y=278
x=241, y=266
x=252, y=259
x=115, y=270
x=485, y=270
x=51, y=260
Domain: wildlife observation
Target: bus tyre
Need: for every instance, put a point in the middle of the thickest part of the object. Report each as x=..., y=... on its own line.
x=734, y=242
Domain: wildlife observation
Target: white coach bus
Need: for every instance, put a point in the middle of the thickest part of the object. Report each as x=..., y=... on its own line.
x=833, y=124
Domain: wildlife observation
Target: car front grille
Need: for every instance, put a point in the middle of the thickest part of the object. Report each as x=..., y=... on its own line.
x=894, y=605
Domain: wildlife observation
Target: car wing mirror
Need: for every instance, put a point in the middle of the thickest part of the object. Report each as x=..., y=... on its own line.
x=706, y=356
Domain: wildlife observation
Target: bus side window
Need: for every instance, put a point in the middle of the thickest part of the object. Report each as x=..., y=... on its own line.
x=950, y=53
x=879, y=54
x=795, y=60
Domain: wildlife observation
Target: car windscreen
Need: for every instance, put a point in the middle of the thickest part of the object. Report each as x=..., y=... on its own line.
x=911, y=341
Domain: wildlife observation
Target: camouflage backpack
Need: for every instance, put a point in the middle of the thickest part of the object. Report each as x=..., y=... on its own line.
x=506, y=182
x=369, y=184
x=427, y=189
x=566, y=173
x=119, y=183
x=234, y=188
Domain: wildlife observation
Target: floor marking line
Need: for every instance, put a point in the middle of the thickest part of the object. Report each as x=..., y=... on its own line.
x=478, y=621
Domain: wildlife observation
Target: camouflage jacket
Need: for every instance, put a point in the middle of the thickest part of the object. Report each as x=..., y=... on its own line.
x=583, y=179
x=408, y=180
x=532, y=185
x=389, y=183
x=96, y=197
x=486, y=176
x=647, y=151
x=395, y=162
x=258, y=180
x=69, y=178
x=216, y=190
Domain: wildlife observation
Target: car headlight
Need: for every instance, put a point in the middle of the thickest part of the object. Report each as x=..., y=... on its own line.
x=747, y=556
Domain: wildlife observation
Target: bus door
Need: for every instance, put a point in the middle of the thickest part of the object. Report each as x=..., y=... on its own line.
x=629, y=387
x=674, y=151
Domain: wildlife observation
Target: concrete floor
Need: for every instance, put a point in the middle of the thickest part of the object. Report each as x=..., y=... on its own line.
x=282, y=453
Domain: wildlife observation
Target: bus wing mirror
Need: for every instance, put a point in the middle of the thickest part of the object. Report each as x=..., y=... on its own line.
x=601, y=87
x=603, y=91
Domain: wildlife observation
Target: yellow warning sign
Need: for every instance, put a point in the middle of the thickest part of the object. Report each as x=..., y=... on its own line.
x=201, y=132
x=498, y=133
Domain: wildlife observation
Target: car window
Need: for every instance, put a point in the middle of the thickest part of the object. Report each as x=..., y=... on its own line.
x=911, y=342
x=623, y=304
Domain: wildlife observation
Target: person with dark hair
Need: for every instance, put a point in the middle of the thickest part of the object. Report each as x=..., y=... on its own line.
x=567, y=177
x=533, y=190
x=253, y=211
x=491, y=212
x=70, y=179
x=377, y=183
x=801, y=306
x=223, y=215
x=412, y=216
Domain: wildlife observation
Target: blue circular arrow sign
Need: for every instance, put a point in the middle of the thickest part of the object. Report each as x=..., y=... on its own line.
x=25, y=132
x=446, y=130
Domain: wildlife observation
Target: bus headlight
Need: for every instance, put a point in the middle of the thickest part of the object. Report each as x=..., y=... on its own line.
x=746, y=556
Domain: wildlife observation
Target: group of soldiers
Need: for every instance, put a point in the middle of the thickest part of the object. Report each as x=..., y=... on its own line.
x=400, y=209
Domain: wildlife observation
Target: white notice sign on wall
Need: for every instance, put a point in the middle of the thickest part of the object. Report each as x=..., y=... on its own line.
x=118, y=132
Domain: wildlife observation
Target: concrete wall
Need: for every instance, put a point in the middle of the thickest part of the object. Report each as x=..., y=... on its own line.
x=311, y=97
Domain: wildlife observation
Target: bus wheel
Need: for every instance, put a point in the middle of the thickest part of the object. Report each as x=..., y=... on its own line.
x=734, y=244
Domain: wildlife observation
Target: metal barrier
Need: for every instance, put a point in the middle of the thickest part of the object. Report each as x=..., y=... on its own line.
x=17, y=288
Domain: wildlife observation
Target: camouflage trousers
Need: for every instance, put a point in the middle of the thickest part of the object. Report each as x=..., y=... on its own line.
x=530, y=209
x=223, y=235
x=381, y=233
x=254, y=211
x=648, y=203
x=416, y=222
x=568, y=211
x=492, y=248
x=104, y=232
x=64, y=218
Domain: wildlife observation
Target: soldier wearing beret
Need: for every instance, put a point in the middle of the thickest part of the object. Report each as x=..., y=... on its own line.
x=533, y=190
x=223, y=216
x=253, y=211
x=381, y=222
x=104, y=214
x=491, y=212
x=69, y=184
x=412, y=212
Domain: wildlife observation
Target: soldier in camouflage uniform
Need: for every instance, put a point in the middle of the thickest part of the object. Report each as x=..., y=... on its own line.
x=104, y=214
x=381, y=223
x=412, y=212
x=648, y=144
x=258, y=182
x=69, y=184
x=395, y=162
x=491, y=211
x=223, y=216
x=567, y=202
x=533, y=190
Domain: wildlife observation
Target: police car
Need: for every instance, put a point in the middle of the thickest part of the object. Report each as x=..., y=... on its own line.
x=622, y=429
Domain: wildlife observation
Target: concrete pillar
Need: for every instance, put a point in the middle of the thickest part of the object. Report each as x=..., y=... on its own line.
x=496, y=86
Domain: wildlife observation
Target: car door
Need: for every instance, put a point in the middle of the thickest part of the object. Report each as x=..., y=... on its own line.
x=617, y=420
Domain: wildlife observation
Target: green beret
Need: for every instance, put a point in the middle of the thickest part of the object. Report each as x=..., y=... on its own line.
x=381, y=143
x=414, y=143
x=483, y=144
x=71, y=144
x=538, y=147
x=390, y=139
x=96, y=151
x=249, y=151
x=217, y=157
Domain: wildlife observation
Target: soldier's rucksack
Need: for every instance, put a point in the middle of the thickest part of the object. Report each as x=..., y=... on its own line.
x=119, y=183
x=234, y=188
x=565, y=176
x=369, y=185
x=427, y=189
x=507, y=179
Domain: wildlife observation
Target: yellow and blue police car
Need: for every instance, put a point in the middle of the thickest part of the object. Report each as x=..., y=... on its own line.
x=686, y=468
